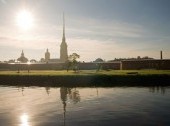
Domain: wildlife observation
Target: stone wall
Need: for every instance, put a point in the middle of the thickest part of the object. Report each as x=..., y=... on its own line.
x=57, y=66
x=145, y=64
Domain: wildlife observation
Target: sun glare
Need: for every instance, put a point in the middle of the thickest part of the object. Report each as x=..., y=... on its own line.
x=24, y=120
x=24, y=19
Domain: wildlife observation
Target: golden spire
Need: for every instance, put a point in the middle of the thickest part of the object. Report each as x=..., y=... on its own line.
x=63, y=40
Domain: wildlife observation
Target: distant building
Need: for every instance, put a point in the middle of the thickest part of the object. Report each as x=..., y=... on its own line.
x=145, y=64
x=47, y=56
x=54, y=61
x=22, y=58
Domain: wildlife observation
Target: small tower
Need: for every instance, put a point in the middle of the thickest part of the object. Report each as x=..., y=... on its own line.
x=63, y=46
x=47, y=56
x=161, y=56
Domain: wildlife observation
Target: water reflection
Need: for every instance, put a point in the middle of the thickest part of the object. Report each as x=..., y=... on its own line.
x=97, y=92
x=24, y=120
x=72, y=94
x=43, y=106
x=21, y=88
x=47, y=90
x=63, y=94
x=157, y=90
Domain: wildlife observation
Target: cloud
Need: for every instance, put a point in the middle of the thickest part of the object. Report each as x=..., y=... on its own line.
x=91, y=28
x=4, y=1
x=27, y=43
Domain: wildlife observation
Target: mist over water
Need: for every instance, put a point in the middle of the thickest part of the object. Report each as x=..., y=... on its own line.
x=49, y=106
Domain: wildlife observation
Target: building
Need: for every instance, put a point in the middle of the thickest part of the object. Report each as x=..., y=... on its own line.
x=158, y=64
x=63, y=50
x=147, y=63
x=22, y=58
x=47, y=56
x=63, y=46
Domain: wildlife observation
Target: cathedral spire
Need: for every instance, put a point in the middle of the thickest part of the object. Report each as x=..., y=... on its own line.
x=64, y=39
x=63, y=46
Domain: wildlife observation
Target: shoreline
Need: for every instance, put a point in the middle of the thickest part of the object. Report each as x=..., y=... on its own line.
x=85, y=80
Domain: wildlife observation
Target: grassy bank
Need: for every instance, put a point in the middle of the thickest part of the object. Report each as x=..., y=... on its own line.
x=86, y=72
x=86, y=78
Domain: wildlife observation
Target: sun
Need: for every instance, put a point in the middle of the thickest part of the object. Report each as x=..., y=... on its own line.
x=24, y=19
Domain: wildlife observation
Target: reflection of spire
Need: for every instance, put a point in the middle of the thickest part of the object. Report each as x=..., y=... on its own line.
x=63, y=95
x=64, y=113
x=73, y=95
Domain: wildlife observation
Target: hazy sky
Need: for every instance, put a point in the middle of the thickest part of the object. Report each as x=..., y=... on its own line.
x=94, y=28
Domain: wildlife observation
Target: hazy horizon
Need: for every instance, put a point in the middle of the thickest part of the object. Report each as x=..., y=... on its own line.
x=94, y=28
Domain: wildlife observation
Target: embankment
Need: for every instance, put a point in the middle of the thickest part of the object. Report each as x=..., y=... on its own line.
x=85, y=80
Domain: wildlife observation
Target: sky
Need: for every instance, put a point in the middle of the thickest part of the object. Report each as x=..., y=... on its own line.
x=106, y=29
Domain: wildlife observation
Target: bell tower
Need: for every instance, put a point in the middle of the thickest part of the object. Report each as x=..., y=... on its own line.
x=47, y=56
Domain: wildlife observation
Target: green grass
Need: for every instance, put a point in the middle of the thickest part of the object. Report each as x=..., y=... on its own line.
x=86, y=72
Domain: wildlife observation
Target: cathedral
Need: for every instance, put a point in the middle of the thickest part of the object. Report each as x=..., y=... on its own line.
x=22, y=58
x=63, y=50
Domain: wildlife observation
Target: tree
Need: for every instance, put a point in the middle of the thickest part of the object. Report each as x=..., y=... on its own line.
x=99, y=67
x=72, y=62
x=11, y=61
x=98, y=60
x=42, y=60
x=33, y=61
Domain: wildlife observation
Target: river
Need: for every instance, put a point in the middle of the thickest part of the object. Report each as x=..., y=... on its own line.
x=50, y=106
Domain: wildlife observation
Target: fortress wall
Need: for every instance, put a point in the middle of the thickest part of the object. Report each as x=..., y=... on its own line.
x=124, y=65
x=89, y=66
x=145, y=64
x=57, y=66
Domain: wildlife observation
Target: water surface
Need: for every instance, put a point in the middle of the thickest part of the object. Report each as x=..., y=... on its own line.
x=46, y=106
